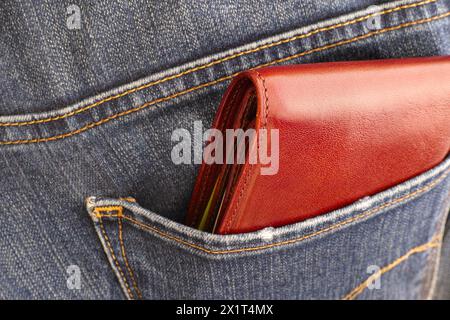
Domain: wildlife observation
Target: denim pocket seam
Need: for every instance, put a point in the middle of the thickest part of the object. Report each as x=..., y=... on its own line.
x=434, y=243
x=430, y=267
x=120, y=273
x=222, y=79
x=364, y=214
x=219, y=61
x=434, y=264
x=125, y=258
x=116, y=262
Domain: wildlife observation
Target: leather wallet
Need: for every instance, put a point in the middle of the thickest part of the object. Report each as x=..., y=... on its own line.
x=347, y=130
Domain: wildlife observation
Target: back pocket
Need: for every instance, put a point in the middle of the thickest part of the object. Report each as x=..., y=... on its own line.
x=381, y=247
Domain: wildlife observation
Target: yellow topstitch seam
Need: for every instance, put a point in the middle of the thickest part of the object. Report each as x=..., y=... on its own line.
x=119, y=211
x=207, y=84
x=215, y=62
x=286, y=242
x=124, y=255
x=432, y=258
x=435, y=243
x=119, y=214
x=124, y=279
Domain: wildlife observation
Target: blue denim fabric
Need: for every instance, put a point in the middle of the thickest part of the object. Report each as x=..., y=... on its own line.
x=442, y=290
x=77, y=123
x=46, y=66
x=396, y=233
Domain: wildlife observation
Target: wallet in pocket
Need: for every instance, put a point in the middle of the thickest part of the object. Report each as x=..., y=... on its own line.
x=345, y=130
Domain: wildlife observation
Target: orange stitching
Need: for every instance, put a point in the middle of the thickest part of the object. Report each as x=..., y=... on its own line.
x=117, y=115
x=433, y=260
x=356, y=39
x=207, y=84
x=102, y=215
x=130, y=271
x=299, y=239
x=119, y=210
x=214, y=62
x=124, y=279
x=435, y=243
x=128, y=199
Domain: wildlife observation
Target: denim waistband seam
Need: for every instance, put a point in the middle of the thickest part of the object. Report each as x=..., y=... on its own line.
x=364, y=214
x=222, y=79
x=215, y=62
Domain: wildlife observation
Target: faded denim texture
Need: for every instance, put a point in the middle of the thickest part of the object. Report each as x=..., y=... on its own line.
x=90, y=112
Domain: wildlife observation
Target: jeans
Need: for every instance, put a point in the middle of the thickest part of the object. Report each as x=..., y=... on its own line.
x=88, y=113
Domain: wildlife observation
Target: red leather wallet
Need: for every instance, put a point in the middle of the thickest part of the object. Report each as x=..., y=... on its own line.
x=346, y=130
